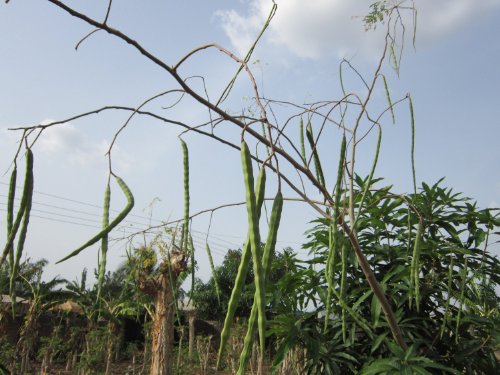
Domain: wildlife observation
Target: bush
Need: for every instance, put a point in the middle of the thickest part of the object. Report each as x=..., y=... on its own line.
x=442, y=287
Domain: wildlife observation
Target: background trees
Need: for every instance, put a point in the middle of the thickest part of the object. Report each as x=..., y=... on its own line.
x=205, y=297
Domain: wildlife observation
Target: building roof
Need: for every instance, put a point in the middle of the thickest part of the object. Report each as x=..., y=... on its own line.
x=68, y=306
x=5, y=298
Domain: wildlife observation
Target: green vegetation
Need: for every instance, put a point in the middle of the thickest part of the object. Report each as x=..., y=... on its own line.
x=453, y=271
x=451, y=323
x=393, y=283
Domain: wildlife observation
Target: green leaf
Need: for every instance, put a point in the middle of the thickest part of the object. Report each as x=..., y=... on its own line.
x=376, y=308
x=378, y=341
x=419, y=370
x=380, y=366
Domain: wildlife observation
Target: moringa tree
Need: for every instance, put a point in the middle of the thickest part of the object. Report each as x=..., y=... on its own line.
x=300, y=165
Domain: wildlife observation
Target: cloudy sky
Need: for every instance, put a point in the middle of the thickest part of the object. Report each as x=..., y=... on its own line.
x=452, y=74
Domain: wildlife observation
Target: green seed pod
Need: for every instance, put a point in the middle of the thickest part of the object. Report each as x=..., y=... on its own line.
x=185, y=227
x=448, y=297
x=10, y=212
x=246, y=353
x=302, y=143
x=266, y=263
x=412, y=115
x=330, y=272
x=332, y=250
x=214, y=275
x=338, y=184
x=388, y=96
x=193, y=263
x=343, y=257
x=317, y=163
x=242, y=272
x=273, y=234
x=24, y=228
x=104, y=240
x=415, y=265
x=112, y=225
x=372, y=172
x=253, y=224
x=26, y=195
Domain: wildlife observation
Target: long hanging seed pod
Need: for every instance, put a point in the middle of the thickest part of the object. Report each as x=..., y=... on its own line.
x=253, y=224
x=26, y=195
x=370, y=177
x=333, y=232
x=186, y=240
x=264, y=134
x=415, y=266
x=302, y=144
x=185, y=226
x=330, y=272
x=412, y=115
x=343, y=256
x=214, y=274
x=112, y=225
x=193, y=263
x=24, y=228
x=408, y=246
x=388, y=95
x=317, y=163
x=266, y=265
x=10, y=212
x=242, y=272
x=448, y=297
x=272, y=236
x=358, y=318
x=104, y=240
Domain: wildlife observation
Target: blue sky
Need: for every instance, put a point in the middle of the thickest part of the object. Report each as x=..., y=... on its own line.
x=452, y=75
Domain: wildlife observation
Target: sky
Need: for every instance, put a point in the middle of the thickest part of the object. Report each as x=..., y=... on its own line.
x=452, y=74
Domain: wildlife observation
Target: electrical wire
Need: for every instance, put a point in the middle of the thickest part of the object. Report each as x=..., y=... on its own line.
x=217, y=241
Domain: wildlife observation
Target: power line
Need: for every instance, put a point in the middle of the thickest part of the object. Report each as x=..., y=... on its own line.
x=215, y=238
x=215, y=247
x=143, y=225
x=238, y=237
x=142, y=228
x=199, y=239
x=57, y=207
x=233, y=244
x=71, y=210
x=99, y=215
x=216, y=250
x=61, y=221
x=80, y=202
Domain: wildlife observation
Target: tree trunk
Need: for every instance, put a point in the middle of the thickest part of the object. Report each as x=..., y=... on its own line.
x=111, y=352
x=161, y=286
x=162, y=359
x=109, y=356
x=191, y=336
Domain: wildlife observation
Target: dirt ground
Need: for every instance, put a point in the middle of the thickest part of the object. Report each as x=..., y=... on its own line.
x=126, y=368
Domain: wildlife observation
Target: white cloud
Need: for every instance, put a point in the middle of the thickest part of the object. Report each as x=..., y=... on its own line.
x=437, y=19
x=60, y=139
x=78, y=148
x=314, y=28
x=240, y=30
